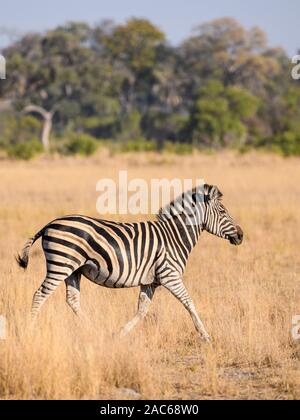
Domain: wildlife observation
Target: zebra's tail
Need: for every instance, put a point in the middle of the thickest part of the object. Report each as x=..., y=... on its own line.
x=22, y=259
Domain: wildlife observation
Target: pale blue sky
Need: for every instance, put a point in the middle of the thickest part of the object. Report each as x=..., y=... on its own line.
x=279, y=18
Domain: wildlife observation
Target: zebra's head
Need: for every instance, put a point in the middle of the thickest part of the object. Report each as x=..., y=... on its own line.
x=217, y=220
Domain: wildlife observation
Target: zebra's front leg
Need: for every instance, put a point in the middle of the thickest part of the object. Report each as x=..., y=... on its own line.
x=178, y=290
x=145, y=298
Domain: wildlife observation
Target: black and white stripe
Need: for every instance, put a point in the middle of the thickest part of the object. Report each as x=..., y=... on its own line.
x=121, y=255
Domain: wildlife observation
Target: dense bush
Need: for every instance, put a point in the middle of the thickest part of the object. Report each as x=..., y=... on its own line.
x=137, y=145
x=80, y=144
x=287, y=143
x=178, y=148
x=18, y=129
x=25, y=150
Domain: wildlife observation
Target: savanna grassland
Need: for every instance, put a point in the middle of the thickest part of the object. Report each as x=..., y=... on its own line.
x=247, y=296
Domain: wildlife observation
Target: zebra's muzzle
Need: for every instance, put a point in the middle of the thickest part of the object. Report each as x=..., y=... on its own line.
x=237, y=239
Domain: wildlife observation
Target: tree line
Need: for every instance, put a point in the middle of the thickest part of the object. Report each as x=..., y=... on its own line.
x=125, y=84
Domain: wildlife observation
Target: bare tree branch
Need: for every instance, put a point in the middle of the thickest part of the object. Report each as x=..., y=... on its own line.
x=47, y=116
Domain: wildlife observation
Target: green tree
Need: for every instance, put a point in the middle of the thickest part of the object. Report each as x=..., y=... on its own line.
x=136, y=44
x=222, y=49
x=61, y=78
x=218, y=115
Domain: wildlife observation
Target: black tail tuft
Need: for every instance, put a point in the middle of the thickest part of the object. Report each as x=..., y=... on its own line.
x=23, y=259
x=23, y=262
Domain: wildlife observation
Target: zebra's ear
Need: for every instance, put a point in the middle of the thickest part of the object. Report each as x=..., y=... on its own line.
x=212, y=192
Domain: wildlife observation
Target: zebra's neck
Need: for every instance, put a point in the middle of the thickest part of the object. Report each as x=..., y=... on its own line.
x=182, y=221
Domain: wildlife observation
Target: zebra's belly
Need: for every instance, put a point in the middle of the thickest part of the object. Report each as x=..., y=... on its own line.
x=97, y=275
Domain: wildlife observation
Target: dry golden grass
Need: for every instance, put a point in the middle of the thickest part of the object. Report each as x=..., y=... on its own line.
x=247, y=296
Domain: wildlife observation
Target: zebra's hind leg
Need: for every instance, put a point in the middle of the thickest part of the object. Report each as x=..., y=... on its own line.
x=48, y=286
x=178, y=290
x=145, y=298
x=57, y=272
x=73, y=291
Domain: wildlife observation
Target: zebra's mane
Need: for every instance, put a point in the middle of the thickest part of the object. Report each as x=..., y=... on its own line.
x=201, y=193
x=178, y=205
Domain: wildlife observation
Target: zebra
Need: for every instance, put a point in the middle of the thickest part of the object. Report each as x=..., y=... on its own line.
x=121, y=255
